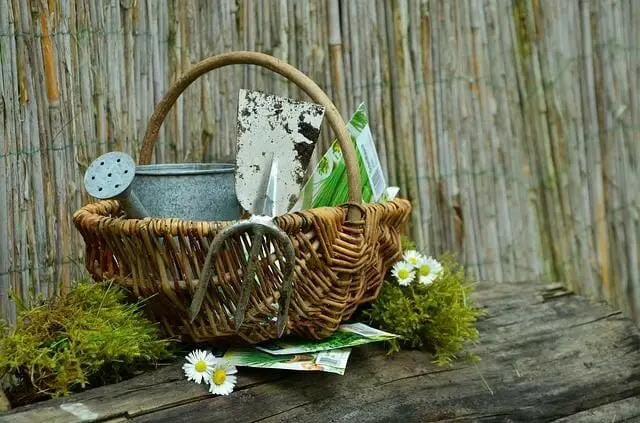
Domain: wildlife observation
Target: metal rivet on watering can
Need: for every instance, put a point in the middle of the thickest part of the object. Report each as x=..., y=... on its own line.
x=110, y=177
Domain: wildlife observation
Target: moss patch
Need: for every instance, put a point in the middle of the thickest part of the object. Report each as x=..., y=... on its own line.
x=87, y=338
x=439, y=317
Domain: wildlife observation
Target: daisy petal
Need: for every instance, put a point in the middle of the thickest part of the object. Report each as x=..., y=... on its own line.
x=199, y=366
x=413, y=257
x=403, y=272
x=428, y=270
x=222, y=382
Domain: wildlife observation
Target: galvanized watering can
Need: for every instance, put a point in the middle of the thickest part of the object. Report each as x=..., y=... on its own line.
x=191, y=191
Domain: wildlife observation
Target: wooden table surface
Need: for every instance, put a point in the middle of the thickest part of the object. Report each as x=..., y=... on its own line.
x=546, y=356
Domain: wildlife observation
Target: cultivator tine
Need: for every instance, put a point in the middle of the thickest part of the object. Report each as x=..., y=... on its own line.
x=207, y=271
x=287, y=284
x=249, y=282
x=285, y=291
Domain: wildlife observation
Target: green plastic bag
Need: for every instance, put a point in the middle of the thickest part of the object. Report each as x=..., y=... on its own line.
x=328, y=184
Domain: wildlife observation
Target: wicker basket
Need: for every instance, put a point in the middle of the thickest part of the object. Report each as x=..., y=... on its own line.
x=341, y=253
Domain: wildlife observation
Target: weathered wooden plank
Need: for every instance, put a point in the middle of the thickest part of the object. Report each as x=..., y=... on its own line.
x=150, y=392
x=542, y=359
x=626, y=410
x=531, y=371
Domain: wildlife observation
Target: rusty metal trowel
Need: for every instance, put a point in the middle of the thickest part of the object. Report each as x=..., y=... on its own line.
x=273, y=127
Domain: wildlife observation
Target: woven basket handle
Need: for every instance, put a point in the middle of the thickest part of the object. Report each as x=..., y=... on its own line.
x=294, y=75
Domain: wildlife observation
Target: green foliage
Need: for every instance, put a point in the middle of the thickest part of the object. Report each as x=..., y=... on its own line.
x=406, y=243
x=88, y=337
x=437, y=317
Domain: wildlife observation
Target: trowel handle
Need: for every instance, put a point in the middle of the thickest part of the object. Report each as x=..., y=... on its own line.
x=294, y=75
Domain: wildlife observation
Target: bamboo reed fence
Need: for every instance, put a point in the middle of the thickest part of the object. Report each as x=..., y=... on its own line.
x=512, y=125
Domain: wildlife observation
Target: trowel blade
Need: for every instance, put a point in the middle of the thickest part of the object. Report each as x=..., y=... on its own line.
x=272, y=126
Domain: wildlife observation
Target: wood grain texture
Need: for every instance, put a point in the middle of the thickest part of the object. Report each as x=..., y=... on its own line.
x=511, y=125
x=626, y=410
x=546, y=355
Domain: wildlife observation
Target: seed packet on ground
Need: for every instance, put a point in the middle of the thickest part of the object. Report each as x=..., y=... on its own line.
x=347, y=335
x=325, y=361
x=328, y=184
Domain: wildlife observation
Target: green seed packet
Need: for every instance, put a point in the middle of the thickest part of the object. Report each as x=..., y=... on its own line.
x=347, y=335
x=328, y=184
x=334, y=361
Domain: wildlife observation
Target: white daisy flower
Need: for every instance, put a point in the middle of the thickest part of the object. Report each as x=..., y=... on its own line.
x=413, y=257
x=428, y=270
x=404, y=273
x=199, y=366
x=222, y=382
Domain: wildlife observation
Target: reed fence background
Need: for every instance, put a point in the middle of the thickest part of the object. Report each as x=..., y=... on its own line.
x=512, y=125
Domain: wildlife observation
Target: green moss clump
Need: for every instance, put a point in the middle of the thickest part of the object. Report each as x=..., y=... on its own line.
x=439, y=317
x=406, y=243
x=87, y=337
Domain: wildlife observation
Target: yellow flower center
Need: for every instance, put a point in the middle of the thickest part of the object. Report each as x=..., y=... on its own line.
x=403, y=273
x=413, y=260
x=219, y=377
x=200, y=366
x=425, y=270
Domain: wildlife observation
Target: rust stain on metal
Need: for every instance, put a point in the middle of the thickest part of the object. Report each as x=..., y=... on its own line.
x=272, y=126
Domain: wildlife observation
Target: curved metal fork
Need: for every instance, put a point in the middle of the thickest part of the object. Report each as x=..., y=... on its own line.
x=248, y=282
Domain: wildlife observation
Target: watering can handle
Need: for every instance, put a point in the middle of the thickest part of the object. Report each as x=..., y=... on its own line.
x=255, y=58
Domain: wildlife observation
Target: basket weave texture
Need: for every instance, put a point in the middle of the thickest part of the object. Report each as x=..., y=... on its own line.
x=341, y=253
x=339, y=265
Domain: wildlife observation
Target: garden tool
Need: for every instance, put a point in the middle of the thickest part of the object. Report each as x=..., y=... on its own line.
x=110, y=176
x=271, y=126
x=278, y=134
x=269, y=208
x=182, y=190
x=262, y=222
x=261, y=225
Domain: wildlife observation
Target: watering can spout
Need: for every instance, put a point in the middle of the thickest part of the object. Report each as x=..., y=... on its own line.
x=110, y=177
